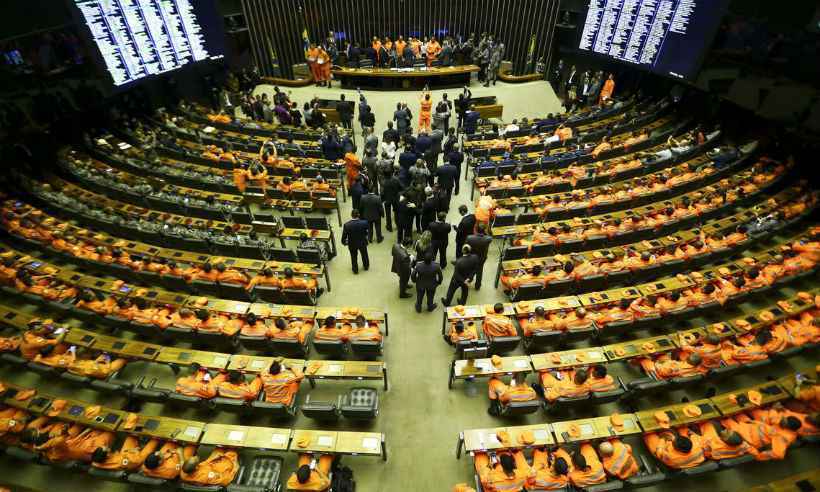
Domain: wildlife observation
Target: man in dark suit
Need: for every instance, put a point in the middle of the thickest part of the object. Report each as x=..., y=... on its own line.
x=423, y=143
x=405, y=215
x=480, y=245
x=391, y=134
x=370, y=208
x=471, y=118
x=447, y=177
x=402, y=260
x=390, y=197
x=354, y=236
x=456, y=158
x=429, y=209
x=464, y=228
x=440, y=231
x=345, y=110
x=464, y=271
x=427, y=276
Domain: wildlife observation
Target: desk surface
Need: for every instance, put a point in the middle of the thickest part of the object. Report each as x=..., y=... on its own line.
x=551, y=304
x=677, y=416
x=413, y=72
x=320, y=441
x=359, y=443
x=477, y=311
x=568, y=358
x=486, y=439
x=169, y=428
x=485, y=368
x=727, y=406
x=240, y=436
x=257, y=363
x=639, y=347
x=346, y=369
x=595, y=428
x=186, y=357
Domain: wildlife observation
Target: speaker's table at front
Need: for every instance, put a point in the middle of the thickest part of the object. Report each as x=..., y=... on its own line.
x=405, y=78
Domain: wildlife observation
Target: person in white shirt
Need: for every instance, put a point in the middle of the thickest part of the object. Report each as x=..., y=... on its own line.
x=388, y=148
x=512, y=127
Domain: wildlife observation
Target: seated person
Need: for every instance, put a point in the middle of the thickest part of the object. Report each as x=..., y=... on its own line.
x=708, y=348
x=41, y=333
x=745, y=348
x=166, y=463
x=89, y=445
x=131, y=455
x=100, y=367
x=665, y=366
x=281, y=383
x=770, y=441
x=199, y=383
x=227, y=275
x=185, y=318
x=220, y=468
x=504, y=470
x=586, y=467
x=459, y=332
x=552, y=469
x=501, y=394
x=219, y=323
x=254, y=327
x=536, y=322
x=299, y=283
x=329, y=331
x=617, y=459
x=234, y=385
x=564, y=383
x=312, y=474
x=295, y=329
x=365, y=331
x=678, y=449
x=96, y=302
x=514, y=282
x=496, y=324
x=576, y=319
x=614, y=314
x=322, y=186
x=265, y=278
x=13, y=421
x=720, y=443
x=600, y=381
x=59, y=356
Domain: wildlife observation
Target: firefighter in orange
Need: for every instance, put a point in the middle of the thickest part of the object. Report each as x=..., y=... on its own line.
x=353, y=168
x=607, y=90
x=312, y=57
x=233, y=385
x=587, y=469
x=433, y=50
x=220, y=468
x=324, y=62
x=510, y=472
x=199, y=383
x=677, y=450
x=501, y=394
x=425, y=114
x=166, y=463
x=496, y=324
x=311, y=475
x=131, y=455
x=281, y=383
x=617, y=459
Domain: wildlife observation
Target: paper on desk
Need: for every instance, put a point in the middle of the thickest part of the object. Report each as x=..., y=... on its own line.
x=370, y=443
x=521, y=363
x=586, y=429
x=540, y=435
x=192, y=432
x=325, y=441
x=278, y=439
x=236, y=436
x=334, y=368
x=258, y=364
x=220, y=361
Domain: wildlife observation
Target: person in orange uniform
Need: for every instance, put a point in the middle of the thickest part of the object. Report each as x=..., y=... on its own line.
x=459, y=332
x=166, y=463
x=300, y=283
x=322, y=186
x=89, y=445
x=462, y=487
x=617, y=459
x=607, y=90
x=12, y=422
x=220, y=468
x=353, y=168
x=400, y=45
x=227, y=275
x=425, y=113
x=99, y=367
x=510, y=472
x=314, y=478
x=265, y=278
x=599, y=380
x=233, y=385
x=433, y=50
x=42, y=333
x=312, y=57
x=677, y=450
x=708, y=348
x=240, y=175
x=329, y=330
x=501, y=394
x=323, y=61
x=199, y=383
x=586, y=468
x=130, y=456
x=770, y=441
x=496, y=324
x=666, y=367
x=777, y=414
x=563, y=133
x=295, y=329
x=536, y=322
x=364, y=331
x=254, y=327
x=567, y=383
x=720, y=443
x=552, y=477
x=281, y=383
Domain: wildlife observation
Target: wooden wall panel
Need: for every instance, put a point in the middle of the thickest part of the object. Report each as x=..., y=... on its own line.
x=276, y=25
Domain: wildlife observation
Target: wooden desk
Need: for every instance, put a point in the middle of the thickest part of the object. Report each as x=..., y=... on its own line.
x=487, y=439
x=676, y=415
x=347, y=369
x=595, y=428
x=241, y=436
x=186, y=357
x=550, y=305
x=218, y=305
x=639, y=348
x=593, y=299
x=361, y=444
x=252, y=364
x=74, y=411
x=484, y=368
x=319, y=441
x=12, y=390
x=405, y=78
x=727, y=407
x=568, y=358
x=169, y=429
x=679, y=282
x=370, y=314
x=267, y=310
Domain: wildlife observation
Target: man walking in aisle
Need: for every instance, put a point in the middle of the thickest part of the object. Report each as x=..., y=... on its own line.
x=464, y=271
x=354, y=236
x=480, y=245
x=427, y=277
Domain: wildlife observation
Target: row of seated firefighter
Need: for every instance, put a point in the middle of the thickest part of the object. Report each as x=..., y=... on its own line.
x=541, y=178
x=595, y=231
x=759, y=423
x=193, y=319
x=266, y=386
x=229, y=278
x=627, y=194
x=574, y=378
x=617, y=311
x=166, y=453
x=525, y=278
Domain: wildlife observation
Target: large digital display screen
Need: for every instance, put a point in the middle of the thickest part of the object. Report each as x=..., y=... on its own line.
x=140, y=38
x=668, y=37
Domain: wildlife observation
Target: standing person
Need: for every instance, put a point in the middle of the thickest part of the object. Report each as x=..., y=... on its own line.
x=405, y=214
x=426, y=102
x=463, y=104
x=345, y=109
x=391, y=134
x=370, y=163
x=429, y=208
x=495, y=64
x=312, y=57
x=427, y=276
x=449, y=142
x=402, y=266
x=441, y=116
x=368, y=120
x=370, y=207
x=371, y=142
x=391, y=189
x=465, y=227
x=356, y=192
x=447, y=178
x=323, y=60
x=463, y=273
x=556, y=75
x=595, y=88
x=609, y=88
x=480, y=245
x=456, y=158
x=433, y=50
x=440, y=231
x=353, y=167
x=402, y=119
x=471, y=118
x=354, y=236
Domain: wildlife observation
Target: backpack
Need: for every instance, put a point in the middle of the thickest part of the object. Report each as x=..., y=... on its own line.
x=343, y=480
